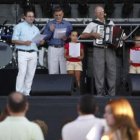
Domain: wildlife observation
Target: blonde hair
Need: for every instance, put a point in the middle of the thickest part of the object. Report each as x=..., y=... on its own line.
x=124, y=120
x=43, y=126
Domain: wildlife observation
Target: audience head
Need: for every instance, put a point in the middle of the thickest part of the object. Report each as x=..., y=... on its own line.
x=17, y=104
x=120, y=116
x=58, y=13
x=87, y=105
x=136, y=39
x=4, y=114
x=43, y=126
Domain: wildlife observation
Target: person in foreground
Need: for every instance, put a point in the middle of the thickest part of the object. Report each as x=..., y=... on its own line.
x=79, y=129
x=120, y=117
x=17, y=126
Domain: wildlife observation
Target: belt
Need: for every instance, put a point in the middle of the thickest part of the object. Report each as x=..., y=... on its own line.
x=29, y=51
x=102, y=47
x=56, y=46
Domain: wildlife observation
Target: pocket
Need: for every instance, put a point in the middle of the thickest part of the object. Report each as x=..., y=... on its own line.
x=80, y=63
x=67, y=63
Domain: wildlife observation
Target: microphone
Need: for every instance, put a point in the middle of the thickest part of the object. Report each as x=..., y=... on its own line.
x=105, y=15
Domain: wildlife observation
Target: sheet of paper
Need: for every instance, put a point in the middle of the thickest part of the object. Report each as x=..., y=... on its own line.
x=38, y=38
x=95, y=133
x=58, y=33
x=74, y=49
x=135, y=56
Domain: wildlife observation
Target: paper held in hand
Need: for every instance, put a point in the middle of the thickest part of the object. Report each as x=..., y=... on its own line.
x=74, y=49
x=59, y=33
x=135, y=56
x=38, y=38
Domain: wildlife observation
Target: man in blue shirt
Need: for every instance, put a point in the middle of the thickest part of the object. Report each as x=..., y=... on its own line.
x=57, y=32
x=27, y=52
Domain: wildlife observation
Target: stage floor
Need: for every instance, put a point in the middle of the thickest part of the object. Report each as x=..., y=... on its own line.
x=55, y=109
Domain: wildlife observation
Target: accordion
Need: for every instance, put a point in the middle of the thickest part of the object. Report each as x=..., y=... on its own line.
x=111, y=36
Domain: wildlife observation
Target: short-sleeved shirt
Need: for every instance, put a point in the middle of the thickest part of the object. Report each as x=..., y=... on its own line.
x=25, y=32
x=72, y=59
x=92, y=28
x=80, y=128
x=19, y=128
x=50, y=35
x=136, y=49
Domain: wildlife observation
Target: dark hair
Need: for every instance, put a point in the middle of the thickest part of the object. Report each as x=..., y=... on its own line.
x=16, y=104
x=87, y=104
x=57, y=9
x=28, y=10
x=74, y=30
x=135, y=36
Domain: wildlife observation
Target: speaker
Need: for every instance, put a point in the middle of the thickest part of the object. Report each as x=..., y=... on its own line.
x=132, y=85
x=58, y=84
x=91, y=88
x=91, y=85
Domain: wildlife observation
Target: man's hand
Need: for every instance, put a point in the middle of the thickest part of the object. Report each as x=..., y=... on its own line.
x=28, y=43
x=52, y=27
x=80, y=57
x=64, y=38
x=130, y=61
x=68, y=57
x=125, y=37
x=96, y=35
x=41, y=42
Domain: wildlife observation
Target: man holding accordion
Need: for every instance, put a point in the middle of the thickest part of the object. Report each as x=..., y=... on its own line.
x=104, y=57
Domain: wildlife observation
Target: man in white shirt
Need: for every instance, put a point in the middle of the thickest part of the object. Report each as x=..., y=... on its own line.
x=104, y=57
x=17, y=126
x=22, y=37
x=79, y=129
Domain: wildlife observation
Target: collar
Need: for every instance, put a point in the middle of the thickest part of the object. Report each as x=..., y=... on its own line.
x=62, y=22
x=85, y=117
x=26, y=23
x=16, y=118
x=100, y=20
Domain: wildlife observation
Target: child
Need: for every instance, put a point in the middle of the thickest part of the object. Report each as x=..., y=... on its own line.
x=135, y=67
x=74, y=64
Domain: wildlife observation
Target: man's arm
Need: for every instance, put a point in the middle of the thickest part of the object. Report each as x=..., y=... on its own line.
x=90, y=35
x=16, y=37
x=88, y=32
x=48, y=31
x=18, y=42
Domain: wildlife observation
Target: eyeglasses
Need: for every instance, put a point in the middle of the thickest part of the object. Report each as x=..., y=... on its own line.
x=30, y=16
x=100, y=11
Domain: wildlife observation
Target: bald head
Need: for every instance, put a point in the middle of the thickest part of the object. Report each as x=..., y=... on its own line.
x=17, y=102
x=99, y=12
x=98, y=8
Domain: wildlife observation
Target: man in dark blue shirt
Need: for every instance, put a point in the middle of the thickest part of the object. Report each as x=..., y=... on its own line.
x=57, y=32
